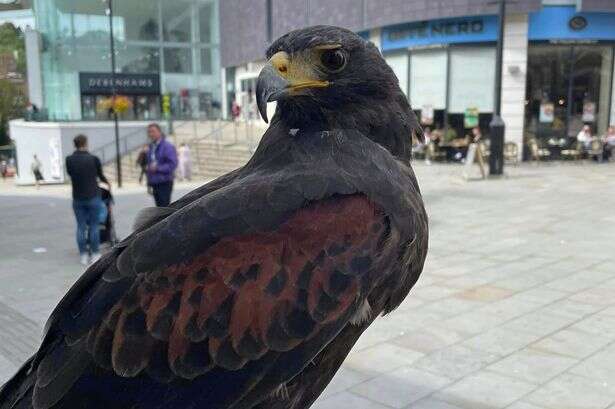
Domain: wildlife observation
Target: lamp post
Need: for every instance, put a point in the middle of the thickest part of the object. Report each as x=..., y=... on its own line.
x=118, y=158
x=497, y=126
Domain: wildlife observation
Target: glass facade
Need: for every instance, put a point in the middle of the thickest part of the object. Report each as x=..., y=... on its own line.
x=568, y=86
x=179, y=40
x=443, y=83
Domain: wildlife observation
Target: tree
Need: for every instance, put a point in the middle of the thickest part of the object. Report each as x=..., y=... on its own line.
x=12, y=41
x=12, y=104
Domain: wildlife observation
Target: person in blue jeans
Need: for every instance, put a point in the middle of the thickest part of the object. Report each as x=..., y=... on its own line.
x=85, y=170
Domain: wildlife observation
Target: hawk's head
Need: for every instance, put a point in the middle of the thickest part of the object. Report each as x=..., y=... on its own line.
x=324, y=67
x=327, y=78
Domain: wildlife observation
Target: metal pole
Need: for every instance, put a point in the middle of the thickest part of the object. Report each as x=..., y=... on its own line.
x=569, y=94
x=118, y=158
x=498, y=59
x=497, y=127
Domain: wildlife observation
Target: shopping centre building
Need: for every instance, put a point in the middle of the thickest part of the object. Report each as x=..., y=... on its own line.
x=557, y=63
x=164, y=47
x=192, y=58
x=167, y=64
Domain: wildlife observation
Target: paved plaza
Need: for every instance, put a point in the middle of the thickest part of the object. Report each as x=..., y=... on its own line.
x=515, y=308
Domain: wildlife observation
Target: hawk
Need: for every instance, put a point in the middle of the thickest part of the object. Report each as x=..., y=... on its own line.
x=250, y=291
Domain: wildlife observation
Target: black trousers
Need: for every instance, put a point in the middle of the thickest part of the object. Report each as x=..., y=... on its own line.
x=162, y=193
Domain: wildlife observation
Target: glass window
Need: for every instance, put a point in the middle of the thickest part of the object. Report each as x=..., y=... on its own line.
x=548, y=76
x=428, y=86
x=177, y=21
x=590, y=89
x=206, y=65
x=205, y=22
x=137, y=20
x=472, y=79
x=567, y=87
x=399, y=64
x=612, y=102
x=89, y=29
x=137, y=59
x=428, y=79
x=178, y=60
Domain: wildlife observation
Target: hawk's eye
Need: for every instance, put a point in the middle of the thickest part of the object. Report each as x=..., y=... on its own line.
x=333, y=60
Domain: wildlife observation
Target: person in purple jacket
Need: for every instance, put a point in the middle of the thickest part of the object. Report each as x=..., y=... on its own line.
x=161, y=164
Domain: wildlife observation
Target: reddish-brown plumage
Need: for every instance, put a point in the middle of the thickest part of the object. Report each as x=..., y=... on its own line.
x=266, y=277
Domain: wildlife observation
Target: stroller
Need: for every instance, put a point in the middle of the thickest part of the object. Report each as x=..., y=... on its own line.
x=106, y=219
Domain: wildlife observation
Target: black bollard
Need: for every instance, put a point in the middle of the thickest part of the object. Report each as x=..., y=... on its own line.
x=496, y=135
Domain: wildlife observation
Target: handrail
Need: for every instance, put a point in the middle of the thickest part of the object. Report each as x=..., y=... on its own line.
x=100, y=151
x=124, y=142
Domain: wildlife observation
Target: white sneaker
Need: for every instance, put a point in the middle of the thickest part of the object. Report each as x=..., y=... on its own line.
x=95, y=257
x=84, y=260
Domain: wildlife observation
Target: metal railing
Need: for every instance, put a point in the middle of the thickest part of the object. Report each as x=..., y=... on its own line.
x=128, y=144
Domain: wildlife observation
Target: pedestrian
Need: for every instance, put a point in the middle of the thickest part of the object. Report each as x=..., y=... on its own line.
x=161, y=164
x=585, y=137
x=185, y=162
x=142, y=162
x=235, y=110
x=4, y=167
x=609, y=143
x=477, y=135
x=85, y=171
x=36, y=170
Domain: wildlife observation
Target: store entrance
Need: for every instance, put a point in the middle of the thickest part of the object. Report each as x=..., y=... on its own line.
x=567, y=87
x=137, y=96
x=140, y=108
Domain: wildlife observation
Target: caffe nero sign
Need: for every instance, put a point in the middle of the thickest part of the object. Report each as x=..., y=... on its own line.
x=447, y=31
x=93, y=83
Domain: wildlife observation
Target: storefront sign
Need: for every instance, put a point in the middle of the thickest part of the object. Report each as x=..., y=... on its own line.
x=589, y=111
x=557, y=23
x=427, y=115
x=547, y=110
x=470, y=118
x=456, y=30
x=166, y=105
x=125, y=84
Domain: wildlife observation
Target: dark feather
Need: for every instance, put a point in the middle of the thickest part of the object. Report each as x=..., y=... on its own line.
x=251, y=281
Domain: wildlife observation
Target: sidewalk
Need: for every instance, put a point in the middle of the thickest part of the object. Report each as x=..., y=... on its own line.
x=515, y=308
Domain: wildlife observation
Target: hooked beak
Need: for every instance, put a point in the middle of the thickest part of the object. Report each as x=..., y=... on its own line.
x=270, y=86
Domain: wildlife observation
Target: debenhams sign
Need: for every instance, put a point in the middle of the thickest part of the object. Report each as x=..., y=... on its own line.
x=94, y=83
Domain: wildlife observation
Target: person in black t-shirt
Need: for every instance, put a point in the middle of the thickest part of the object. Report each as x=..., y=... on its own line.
x=85, y=171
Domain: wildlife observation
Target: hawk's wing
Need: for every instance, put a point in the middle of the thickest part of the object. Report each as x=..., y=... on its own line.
x=236, y=291
x=207, y=290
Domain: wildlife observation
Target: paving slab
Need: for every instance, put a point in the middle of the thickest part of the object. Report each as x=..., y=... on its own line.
x=515, y=310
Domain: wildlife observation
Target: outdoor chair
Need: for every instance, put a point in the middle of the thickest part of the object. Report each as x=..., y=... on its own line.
x=485, y=148
x=418, y=152
x=511, y=152
x=537, y=152
x=435, y=154
x=596, y=149
x=574, y=152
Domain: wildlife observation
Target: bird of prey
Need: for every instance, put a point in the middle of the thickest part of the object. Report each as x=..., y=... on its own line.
x=250, y=291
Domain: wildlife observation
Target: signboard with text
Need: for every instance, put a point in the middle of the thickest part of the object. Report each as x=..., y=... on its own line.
x=92, y=83
x=564, y=23
x=448, y=31
x=470, y=118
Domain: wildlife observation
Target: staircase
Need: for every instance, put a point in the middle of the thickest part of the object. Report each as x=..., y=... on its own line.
x=225, y=149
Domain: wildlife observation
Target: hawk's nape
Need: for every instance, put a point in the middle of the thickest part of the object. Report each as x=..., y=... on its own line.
x=250, y=291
